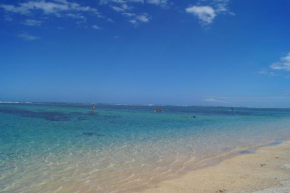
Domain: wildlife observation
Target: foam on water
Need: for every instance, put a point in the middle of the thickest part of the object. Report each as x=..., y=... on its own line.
x=67, y=148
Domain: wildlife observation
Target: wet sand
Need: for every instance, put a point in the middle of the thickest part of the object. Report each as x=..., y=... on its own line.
x=267, y=170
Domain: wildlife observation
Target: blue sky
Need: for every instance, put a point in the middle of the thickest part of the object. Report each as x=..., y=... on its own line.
x=205, y=52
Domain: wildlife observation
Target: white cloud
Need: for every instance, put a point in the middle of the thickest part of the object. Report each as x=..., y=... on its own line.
x=57, y=7
x=221, y=6
x=76, y=16
x=96, y=27
x=67, y=8
x=110, y=20
x=207, y=10
x=134, y=21
x=118, y=9
x=158, y=2
x=122, y=8
x=115, y=2
x=120, y=1
x=283, y=64
x=265, y=72
x=32, y=22
x=13, y=9
x=129, y=14
x=212, y=100
x=28, y=37
x=143, y=18
x=205, y=13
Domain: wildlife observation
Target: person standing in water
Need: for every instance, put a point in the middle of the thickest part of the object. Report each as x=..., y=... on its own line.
x=93, y=108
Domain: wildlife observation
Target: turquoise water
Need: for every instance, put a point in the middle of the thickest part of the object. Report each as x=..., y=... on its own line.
x=67, y=148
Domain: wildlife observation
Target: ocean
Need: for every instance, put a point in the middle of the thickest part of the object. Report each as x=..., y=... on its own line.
x=49, y=147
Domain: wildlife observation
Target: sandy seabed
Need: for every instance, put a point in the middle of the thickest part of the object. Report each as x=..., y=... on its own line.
x=267, y=170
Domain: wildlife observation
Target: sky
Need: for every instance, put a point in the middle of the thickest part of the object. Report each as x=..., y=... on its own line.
x=171, y=52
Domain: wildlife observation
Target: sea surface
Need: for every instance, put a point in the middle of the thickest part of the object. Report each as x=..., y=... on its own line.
x=48, y=147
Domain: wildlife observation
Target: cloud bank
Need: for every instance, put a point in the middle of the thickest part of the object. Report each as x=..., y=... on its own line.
x=56, y=7
x=205, y=10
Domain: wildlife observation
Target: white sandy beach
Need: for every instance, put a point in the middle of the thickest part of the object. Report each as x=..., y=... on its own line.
x=265, y=171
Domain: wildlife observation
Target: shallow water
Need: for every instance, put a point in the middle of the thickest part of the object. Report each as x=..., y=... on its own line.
x=67, y=148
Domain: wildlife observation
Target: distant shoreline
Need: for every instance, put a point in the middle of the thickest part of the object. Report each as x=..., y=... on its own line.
x=145, y=105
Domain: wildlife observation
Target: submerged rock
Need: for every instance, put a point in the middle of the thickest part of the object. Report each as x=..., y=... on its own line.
x=92, y=134
x=50, y=116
